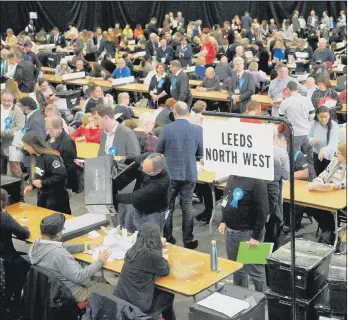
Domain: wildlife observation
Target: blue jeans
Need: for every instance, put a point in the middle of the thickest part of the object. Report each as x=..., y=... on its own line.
x=183, y=189
x=256, y=272
x=135, y=219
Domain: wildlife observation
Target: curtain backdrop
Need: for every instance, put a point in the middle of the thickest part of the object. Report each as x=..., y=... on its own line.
x=89, y=14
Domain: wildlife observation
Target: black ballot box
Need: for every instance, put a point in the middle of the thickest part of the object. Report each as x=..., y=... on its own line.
x=13, y=187
x=69, y=99
x=256, y=299
x=312, y=261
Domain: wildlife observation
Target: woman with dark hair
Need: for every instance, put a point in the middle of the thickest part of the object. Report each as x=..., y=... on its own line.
x=98, y=72
x=323, y=135
x=45, y=95
x=16, y=264
x=107, y=64
x=48, y=174
x=159, y=87
x=144, y=262
x=261, y=57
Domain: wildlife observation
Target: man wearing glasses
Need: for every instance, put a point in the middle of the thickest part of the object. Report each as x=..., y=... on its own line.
x=149, y=199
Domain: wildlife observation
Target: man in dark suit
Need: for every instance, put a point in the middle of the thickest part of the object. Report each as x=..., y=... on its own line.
x=115, y=137
x=56, y=38
x=181, y=142
x=172, y=41
x=228, y=32
x=30, y=55
x=164, y=52
x=184, y=53
x=312, y=21
x=3, y=65
x=34, y=121
x=180, y=86
x=151, y=27
x=151, y=46
x=241, y=86
x=25, y=74
x=246, y=21
x=66, y=146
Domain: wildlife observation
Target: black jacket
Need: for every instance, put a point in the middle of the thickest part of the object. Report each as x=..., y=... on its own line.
x=67, y=149
x=263, y=61
x=252, y=209
x=136, y=283
x=167, y=54
x=10, y=227
x=60, y=40
x=152, y=195
x=158, y=86
x=104, y=306
x=108, y=46
x=149, y=48
x=45, y=297
x=26, y=75
x=151, y=28
x=108, y=65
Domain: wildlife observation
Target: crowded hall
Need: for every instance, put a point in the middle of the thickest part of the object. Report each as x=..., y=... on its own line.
x=173, y=160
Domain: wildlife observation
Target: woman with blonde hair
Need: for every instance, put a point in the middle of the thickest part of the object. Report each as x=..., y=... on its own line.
x=88, y=131
x=11, y=39
x=259, y=76
x=51, y=110
x=147, y=141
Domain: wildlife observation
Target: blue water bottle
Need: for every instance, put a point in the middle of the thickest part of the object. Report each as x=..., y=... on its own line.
x=213, y=256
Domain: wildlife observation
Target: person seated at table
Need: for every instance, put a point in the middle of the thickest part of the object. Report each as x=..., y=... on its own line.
x=143, y=131
x=48, y=174
x=88, y=131
x=80, y=67
x=200, y=67
x=127, y=31
x=323, y=135
x=121, y=70
x=159, y=88
x=52, y=110
x=107, y=64
x=259, y=77
x=123, y=107
x=97, y=72
x=96, y=97
x=323, y=54
x=210, y=82
x=324, y=93
x=79, y=56
x=196, y=116
x=50, y=253
x=16, y=264
x=143, y=263
x=253, y=108
x=334, y=177
x=62, y=68
x=138, y=32
x=45, y=95
x=223, y=69
x=278, y=52
x=240, y=53
x=123, y=45
x=165, y=115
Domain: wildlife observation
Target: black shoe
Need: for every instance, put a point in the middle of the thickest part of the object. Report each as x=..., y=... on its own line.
x=201, y=216
x=204, y=216
x=191, y=245
x=286, y=229
x=171, y=240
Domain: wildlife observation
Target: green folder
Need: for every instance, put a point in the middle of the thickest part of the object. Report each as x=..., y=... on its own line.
x=256, y=255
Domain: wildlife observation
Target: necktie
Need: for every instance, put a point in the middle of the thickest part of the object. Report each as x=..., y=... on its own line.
x=55, y=39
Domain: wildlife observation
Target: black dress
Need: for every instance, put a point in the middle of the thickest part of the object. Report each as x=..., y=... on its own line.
x=158, y=86
x=263, y=61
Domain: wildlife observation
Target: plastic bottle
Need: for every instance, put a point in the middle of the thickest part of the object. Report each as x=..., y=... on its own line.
x=213, y=256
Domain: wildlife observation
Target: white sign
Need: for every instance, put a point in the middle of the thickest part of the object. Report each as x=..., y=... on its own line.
x=72, y=76
x=120, y=81
x=32, y=15
x=238, y=148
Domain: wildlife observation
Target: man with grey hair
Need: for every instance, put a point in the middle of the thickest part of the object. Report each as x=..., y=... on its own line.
x=181, y=143
x=323, y=54
x=121, y=71
x=303, y=56
x=151, y=46
x=241, y=86
x=180, y=86
x=3, y=64
x=149, y=200
x=123, y=107
x=76, y=41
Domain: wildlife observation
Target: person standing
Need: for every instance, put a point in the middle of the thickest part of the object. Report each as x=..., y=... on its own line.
x=184, y=52
x=159, y=88
x=325, y=25
x=180, y=86
x=181, y=142
x=246, y=21
x=30, y=55
x=25, y=74
x=30, y=28
x=244, y=213
x=299, y=111
x=313, y=21
x=48, y=174
x=295, y=22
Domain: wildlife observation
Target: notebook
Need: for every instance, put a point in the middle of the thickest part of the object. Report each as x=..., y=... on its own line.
x=256, y=255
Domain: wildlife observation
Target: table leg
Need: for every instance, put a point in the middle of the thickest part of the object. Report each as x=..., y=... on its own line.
x=336, y=228
x=212, y=187
x=194, y=299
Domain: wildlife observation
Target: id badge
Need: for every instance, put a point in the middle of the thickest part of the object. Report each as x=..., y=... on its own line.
x=237, y=91
x=155, y=91
x=224, y=202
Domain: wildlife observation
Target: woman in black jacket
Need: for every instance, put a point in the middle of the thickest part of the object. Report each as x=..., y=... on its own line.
x=159, y=88
x=143, y=263
x=16, y=264
x=107, y=64
x=261, y=57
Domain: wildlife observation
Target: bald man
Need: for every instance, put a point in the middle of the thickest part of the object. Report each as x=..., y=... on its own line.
x=65, y=145
x=211, y=82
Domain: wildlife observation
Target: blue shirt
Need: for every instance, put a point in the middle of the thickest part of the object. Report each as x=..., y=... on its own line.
x=125, y=72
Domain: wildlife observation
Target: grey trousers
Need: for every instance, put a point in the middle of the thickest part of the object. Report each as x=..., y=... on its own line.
x=256, y=272
x=303, y=144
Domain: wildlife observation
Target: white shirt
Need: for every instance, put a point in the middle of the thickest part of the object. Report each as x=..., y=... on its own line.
x=4, y=114
x=11, y=69
x=178, y=73
x=30, y=114
x=110, y=138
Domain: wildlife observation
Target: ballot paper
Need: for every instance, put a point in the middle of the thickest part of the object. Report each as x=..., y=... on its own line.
x=93, y=234
x=224, y=304
x=330, y=103
x=17, y=138
x=249, y=54
x=15, y=154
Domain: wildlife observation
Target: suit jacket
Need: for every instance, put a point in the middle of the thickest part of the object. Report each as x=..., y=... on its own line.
x=151, y=28
x=60, y=40
x=26, y=75
x=78, y=44
x=246, y=87
x=316, y=21
x=125, y=140
x=180, y=87
x=168, y=54
x=295, y=23
x=149, y=48
x=230, y=36
x=184, y=54
x=181, y=143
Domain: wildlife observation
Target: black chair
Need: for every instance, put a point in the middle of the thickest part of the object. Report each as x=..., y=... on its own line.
x=45, y=297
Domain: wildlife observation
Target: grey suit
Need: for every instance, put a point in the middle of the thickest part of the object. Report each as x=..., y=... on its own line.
x=180, y=88
x=295, y=23
x=246, y=86
x=315, y=22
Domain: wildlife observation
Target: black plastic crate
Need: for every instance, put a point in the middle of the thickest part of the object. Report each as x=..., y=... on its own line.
x=198, y=312
x=312, y=268
x=337, y=279
x=280, y=306
x=69, y=99
x=13, y=187
x=323, y=307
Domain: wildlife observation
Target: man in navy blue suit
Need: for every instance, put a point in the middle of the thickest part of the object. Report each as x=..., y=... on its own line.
x=181, y=143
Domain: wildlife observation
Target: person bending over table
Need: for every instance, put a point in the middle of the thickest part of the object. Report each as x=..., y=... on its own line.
x=143, y=263
x=48, y=174
x=16, y=264
x=244, y=213
x=50, y=253
x=334, y=177
x=149, y=199
x=88, y=131
x=45, y=95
